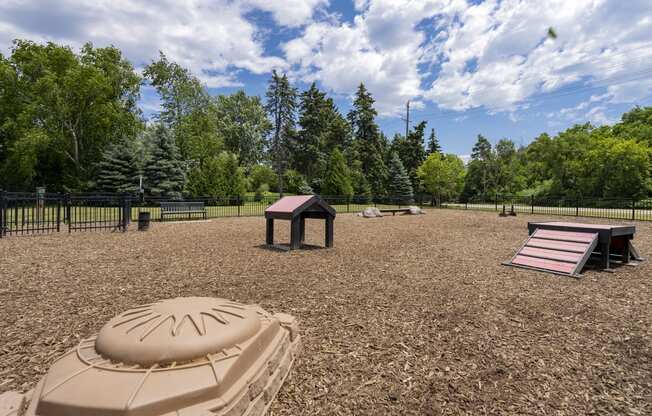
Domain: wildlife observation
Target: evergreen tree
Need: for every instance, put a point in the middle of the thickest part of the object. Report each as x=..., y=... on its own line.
x=433, y=143
x=368, y=140
x=119, y=168
x=219, y=176
x=399, y=184
x=281, y=106
x=338, y=179
x=163, y=171
x=411, y=152
x=307, y=154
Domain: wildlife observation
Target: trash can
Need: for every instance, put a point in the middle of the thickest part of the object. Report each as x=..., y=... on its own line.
x=143, y=220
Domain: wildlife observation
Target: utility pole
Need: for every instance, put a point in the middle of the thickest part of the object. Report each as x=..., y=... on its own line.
x=407, y=119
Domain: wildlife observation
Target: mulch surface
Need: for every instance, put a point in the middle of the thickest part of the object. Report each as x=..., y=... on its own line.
x=406, y=315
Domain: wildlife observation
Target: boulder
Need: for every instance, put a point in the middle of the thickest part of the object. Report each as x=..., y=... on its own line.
x=371, y=212
x=414, y=210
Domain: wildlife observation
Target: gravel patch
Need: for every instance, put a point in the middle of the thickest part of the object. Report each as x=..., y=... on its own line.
x=407, y=315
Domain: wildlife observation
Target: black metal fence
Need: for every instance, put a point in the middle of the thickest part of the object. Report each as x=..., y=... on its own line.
x=248, y=206
x=33, y=213
x=611, y=208
x=43, y=213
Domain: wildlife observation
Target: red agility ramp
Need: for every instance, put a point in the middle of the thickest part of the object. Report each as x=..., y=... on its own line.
x=559, y=252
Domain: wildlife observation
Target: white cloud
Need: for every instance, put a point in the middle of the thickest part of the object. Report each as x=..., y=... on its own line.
x=496, y=54
x=289, y=13
x=211, y=38
x=382, y=48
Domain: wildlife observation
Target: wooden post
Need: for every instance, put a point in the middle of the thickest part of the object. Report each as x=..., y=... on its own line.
x=302, y=232
x=329, y=231
x=295, y=233
x=626, y=253
x=633, y=209
x=604, y=247
x=269, y=235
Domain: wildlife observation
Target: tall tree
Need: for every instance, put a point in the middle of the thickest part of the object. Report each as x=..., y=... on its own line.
x=399, y=184
x=163, y=172
x=281, y=106
x=308, y=151
x=59, y=110
x=221, y=176
x=243, y=123
x=187, y=110
x=120, y=168
x=442, y=176
x=433, y=143
x=338, y=179
x=368, y=141
x=411, y=151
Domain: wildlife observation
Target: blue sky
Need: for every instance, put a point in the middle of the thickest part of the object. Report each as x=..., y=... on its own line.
x=468, y=67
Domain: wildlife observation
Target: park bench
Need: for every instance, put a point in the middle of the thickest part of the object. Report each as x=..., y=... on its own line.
x=395, y=210
x=177, y=209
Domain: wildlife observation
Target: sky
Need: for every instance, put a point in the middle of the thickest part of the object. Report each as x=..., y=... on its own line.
x=467, y=67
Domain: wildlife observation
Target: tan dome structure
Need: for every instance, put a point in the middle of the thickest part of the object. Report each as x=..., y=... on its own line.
x=177, y=357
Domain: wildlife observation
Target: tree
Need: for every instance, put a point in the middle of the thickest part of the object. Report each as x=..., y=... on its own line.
x=296, y=183
x=482, y=170
x=281, y=106
x=337, y=180
x=187, y=110
x=59, y=110
x=163, y=174
x=220, y=176
x=433, y=143
x=368, y=141
x=411, y=152
x=442, y=175
x=399, y=184
x=243, y=123
x=119, y=169
x=262, y=174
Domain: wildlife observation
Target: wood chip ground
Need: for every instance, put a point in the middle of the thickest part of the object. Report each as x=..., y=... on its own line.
x=407, y=315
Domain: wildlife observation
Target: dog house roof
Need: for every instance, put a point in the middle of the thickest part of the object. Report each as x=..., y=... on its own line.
x=186, y=356
x=295, y=205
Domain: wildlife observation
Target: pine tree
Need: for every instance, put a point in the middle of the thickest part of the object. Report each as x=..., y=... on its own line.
x=368, y=140
x=164, y=175
x=338, y=179
x=399, y=184
x=433, y=143
x=281, y=106
x=119, y=168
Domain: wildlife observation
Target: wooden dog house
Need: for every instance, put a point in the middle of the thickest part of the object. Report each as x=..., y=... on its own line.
x=296, y=209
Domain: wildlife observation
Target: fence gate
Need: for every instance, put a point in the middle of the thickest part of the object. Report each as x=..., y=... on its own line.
x=97, y=212
x=42, y=213
x=29, y=213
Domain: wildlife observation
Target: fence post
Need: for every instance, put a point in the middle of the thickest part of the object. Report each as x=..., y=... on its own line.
x=532, y=204
x=496, y=202
x=126, y=211
x=237, y=201
x=633, y=209
x=58, y=214
x=348, y=202
x=2, y=213
x=67, y=215
x=577, y=207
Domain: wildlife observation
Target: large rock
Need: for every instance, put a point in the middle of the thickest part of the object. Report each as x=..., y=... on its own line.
x=414, y=210
x=371, y=212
